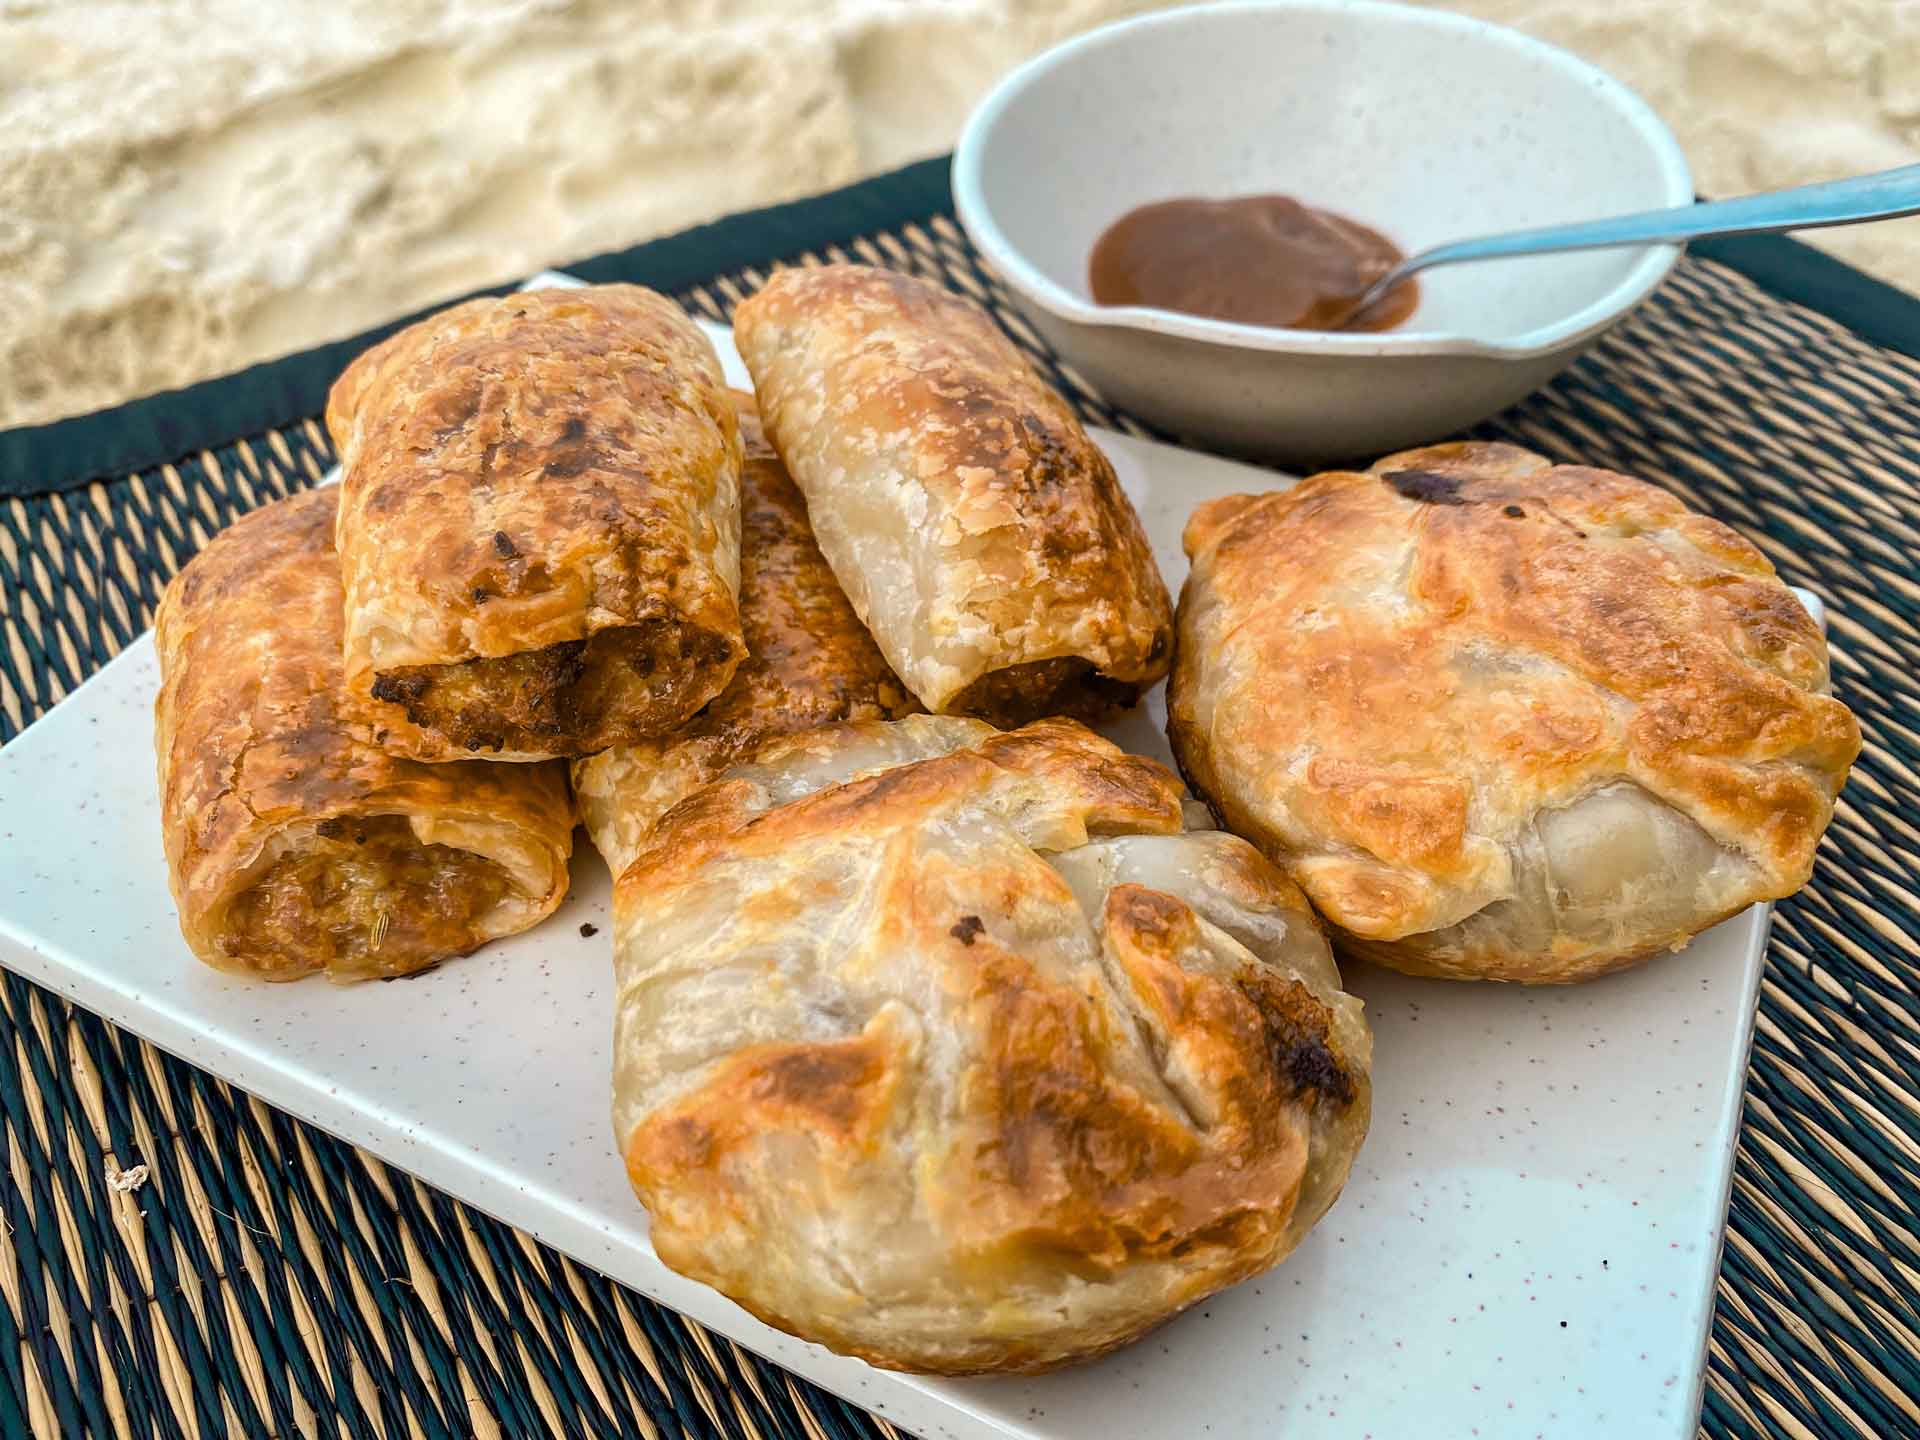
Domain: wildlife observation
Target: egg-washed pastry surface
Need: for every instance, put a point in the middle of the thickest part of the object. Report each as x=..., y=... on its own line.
x=980, y=534
x=539, y=526
x=1501, y=718
x=809, y=662
x=956, y=1051
x=294, y=844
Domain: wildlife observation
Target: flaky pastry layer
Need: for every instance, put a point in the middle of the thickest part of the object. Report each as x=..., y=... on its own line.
x=956, y=1051
x=974, y=525
x=539, y=528
x=1501, y=718
x=809, y=662
x=295, y=844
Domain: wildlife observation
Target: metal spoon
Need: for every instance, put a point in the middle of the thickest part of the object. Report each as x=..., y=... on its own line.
x=1886, y=195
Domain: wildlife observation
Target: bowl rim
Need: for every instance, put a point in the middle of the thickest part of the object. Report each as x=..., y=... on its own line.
x=976, y=217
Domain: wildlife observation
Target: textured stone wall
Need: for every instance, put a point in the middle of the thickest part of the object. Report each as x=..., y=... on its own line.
x=187, y=186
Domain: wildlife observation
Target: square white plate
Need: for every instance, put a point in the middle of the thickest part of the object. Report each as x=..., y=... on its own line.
x=1527, y=1245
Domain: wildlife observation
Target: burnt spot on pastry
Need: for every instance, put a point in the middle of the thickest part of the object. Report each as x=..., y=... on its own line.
x=401, y=687
x=1514, y=512
x=967, y=927
x=451, y=410
x=411, y=974
x=312, y=742
x=1311, y=1066
x=821, y=1078
x=565, y=464
x=1299, y=1036
x=503, y=545
x=685, y=1142
x=1054, y=464
x=1428, y=487
x=383, y=498
x=572, y=453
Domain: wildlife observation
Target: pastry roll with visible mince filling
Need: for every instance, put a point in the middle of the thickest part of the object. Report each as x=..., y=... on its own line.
x=809, y=662
x=980, y=534
x=1504, y=719
x=539, y=525
x=294, y=844
x=957, y=1051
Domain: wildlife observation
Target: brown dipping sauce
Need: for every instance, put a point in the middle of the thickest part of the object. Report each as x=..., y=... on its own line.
x=1256, y=260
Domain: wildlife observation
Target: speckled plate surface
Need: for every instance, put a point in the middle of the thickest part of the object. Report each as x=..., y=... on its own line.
x=1528, y=1243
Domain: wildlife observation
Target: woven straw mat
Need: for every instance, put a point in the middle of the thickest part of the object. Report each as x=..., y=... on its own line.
x=269, y=1280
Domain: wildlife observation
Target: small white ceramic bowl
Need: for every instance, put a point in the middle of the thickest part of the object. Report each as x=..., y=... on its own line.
x=1425, y=125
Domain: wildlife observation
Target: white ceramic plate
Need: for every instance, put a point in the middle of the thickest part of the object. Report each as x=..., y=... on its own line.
x=1528, y=1243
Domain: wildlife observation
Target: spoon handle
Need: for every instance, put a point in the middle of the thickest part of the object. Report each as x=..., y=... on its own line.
x=1881, y=196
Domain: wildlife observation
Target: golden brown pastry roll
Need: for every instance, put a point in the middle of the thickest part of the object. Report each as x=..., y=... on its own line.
x=294, y=844
x=539, y=525
x=1503, y=719
x=809, y=662
x=956, y=1051
x=979, y=532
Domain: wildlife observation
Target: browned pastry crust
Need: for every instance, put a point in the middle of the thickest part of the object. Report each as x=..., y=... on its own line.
x=539, y=530
x=294, y=844
x=980, y=534
x=809, y=662
x=955, y=1051
x=1501, y=718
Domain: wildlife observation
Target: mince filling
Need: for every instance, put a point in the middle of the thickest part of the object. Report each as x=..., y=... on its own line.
x=574, y=698
x=1066, y=685
x=364, y=898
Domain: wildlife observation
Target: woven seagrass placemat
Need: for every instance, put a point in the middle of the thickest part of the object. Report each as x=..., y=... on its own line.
x=267, y=1279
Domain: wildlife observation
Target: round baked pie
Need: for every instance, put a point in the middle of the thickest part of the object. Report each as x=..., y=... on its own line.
x=1504, y=719
x=958, y=1051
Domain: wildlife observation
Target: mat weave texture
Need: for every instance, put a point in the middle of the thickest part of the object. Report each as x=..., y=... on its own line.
x=268, y=1280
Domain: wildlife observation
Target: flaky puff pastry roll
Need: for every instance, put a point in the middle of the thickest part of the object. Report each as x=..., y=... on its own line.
x=979, y=532
x=957, y=1051
x=1504, y=719
x=294, y=843
x=539, y=525
x=809, y=662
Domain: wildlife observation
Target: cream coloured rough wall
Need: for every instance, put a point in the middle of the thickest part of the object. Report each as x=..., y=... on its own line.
x=187, y=186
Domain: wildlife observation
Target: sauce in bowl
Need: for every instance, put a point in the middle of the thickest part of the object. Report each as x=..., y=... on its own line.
x=1254, y=260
